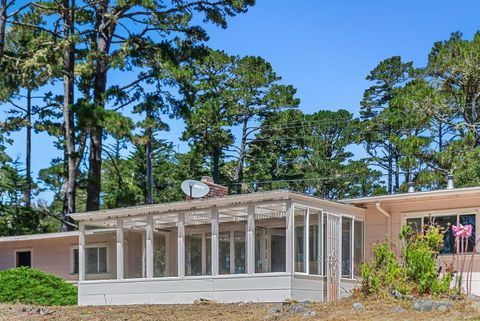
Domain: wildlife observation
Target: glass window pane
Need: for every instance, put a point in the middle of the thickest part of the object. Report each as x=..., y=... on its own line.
x=415, y=223
x=270, y=231
x=208, y=253
x=193, y=254
x=346, y=247
x=240, y=251
x=299, y=220
x=133, y=249
x=102, y=260
x=277, y=249
x=358, y=252
x=260, y=250
x=465, y=220
x=224, y=253
x=446, y=222
x=102, y=235
x=315, y=242
x=75, y=261
x=91, y=258
x=159, y=255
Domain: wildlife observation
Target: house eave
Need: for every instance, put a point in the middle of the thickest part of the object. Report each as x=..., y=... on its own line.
x=202, y=204
x=415, y=196
x=38, y=236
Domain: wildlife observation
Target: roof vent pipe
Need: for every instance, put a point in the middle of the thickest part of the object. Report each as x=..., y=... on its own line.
x=450, y=184
x=411, y=187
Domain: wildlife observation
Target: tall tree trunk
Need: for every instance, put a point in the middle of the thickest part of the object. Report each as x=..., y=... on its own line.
x=440, y=136
x=242, y=155
x=397, y=173
x=3, y=25
x=149, y=169
x=216, y=164
x=105, y=29
x=390, y=169
x=68, y=116
x=28, y=157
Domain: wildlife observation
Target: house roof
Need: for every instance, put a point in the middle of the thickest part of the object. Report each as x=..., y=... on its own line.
x=201, y=204
x=423, y=195
x=37, y=236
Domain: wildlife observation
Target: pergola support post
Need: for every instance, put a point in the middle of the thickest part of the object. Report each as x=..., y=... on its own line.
x=250, y=239
x=81, y=253
x=289, y=236
x=306, y=243
x=214, y=221
x=120, y=249
x=181, y=245
x=149, y=247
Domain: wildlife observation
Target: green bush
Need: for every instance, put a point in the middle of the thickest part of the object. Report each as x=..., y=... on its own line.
x=414, y=273
x=30, y=286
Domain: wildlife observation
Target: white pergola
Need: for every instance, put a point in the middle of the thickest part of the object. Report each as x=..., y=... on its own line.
x=249, y=210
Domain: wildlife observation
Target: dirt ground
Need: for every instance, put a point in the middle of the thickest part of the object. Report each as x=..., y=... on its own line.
x=342, y=310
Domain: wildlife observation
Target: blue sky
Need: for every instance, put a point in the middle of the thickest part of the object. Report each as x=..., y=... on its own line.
x=324, y=48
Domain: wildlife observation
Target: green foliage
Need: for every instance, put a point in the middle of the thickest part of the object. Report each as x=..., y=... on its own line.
x=30, y=286
x=310, y=152
x=414, y=273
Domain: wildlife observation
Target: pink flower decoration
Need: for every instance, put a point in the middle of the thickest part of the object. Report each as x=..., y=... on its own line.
x=463, y=231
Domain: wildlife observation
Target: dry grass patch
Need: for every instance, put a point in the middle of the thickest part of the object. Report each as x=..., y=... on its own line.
x=341, y=310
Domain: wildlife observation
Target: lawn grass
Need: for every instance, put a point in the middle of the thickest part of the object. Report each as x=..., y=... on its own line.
x=341, y=310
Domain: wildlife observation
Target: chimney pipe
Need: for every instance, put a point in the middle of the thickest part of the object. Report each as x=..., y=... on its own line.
x=450, y=184
x=411, y=187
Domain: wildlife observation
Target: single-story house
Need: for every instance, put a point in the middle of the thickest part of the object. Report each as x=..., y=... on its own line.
x=261, y=247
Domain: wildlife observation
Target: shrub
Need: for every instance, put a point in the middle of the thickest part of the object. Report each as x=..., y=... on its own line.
x=415, y=272
x=30, y=286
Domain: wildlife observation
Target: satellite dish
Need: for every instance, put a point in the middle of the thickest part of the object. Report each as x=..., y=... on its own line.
x=194, y=189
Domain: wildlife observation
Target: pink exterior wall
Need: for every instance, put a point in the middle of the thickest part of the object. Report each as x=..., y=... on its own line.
x=51, y=255
x=376, y=223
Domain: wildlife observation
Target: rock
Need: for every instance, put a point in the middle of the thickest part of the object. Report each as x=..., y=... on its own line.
x=310, y=314
x=301, y=308
x=442, y=305
x=399, y=296
x=274, y=312
x=203, y=301
x=398, y=309
x=422, y=305
x=443, y=308
x=297, y=308
x=357, y=306
x=275, y=309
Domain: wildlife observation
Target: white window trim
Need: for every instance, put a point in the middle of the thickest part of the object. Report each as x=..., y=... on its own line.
x=93, y=245
x=15, y=251
x=446, y=212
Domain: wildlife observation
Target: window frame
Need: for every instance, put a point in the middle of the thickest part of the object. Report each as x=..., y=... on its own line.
x=447, y=212
x=93, y=245
x=323, y=211
x=15, y=251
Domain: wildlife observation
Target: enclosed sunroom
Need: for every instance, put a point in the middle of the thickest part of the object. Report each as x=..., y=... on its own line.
x=260, y=247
